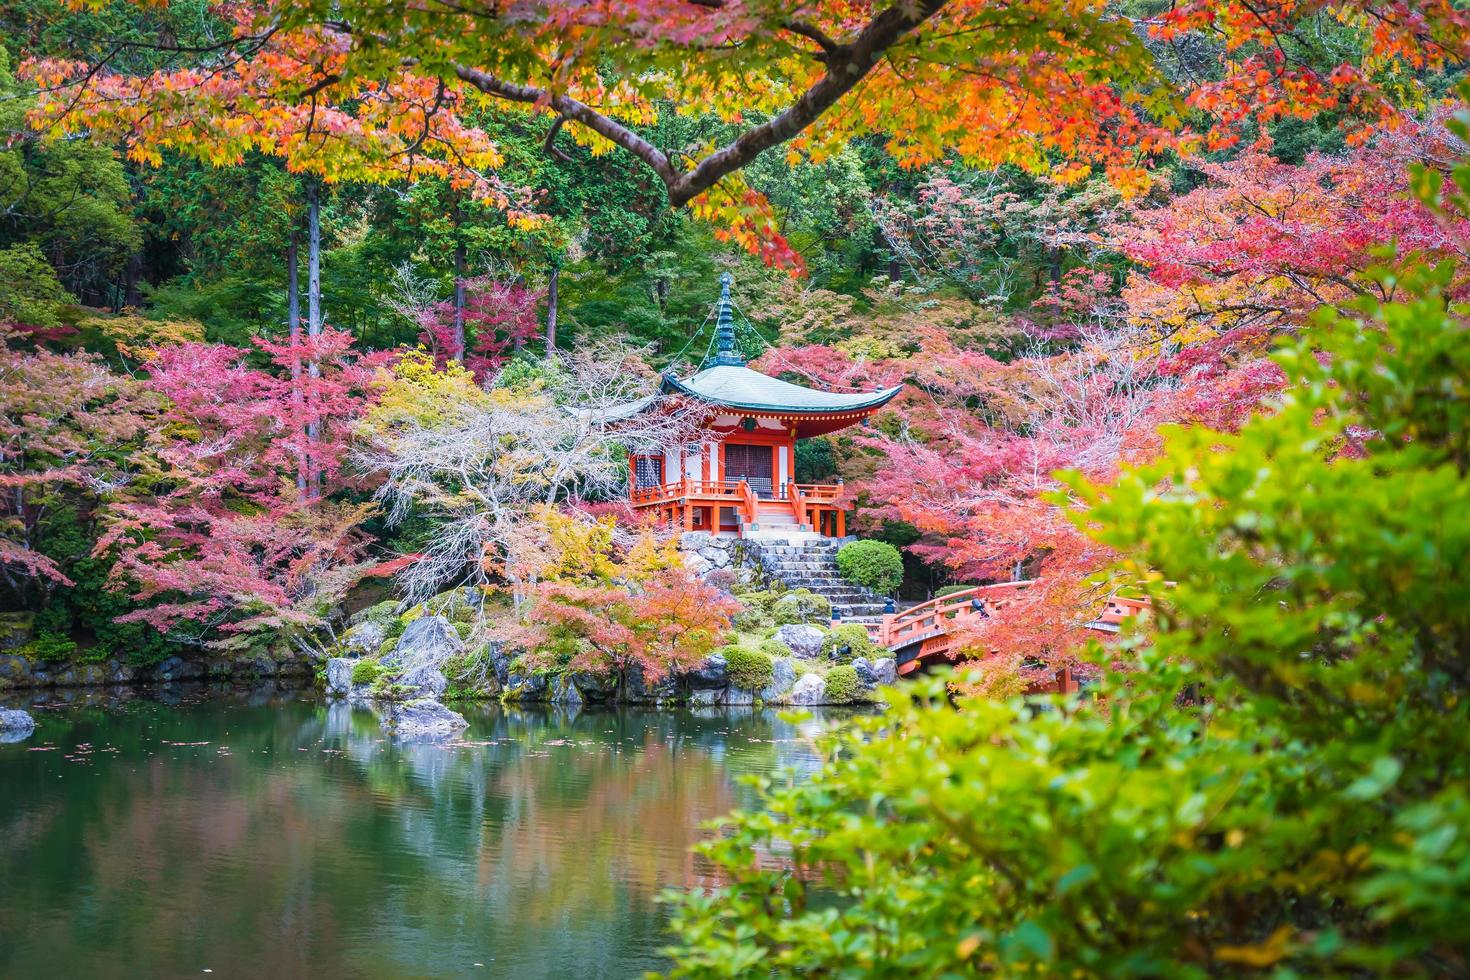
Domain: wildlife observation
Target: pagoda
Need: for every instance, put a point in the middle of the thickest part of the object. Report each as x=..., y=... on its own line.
x=739, y=478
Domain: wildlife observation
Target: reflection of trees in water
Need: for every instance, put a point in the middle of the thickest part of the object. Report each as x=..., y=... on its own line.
x=317, y=843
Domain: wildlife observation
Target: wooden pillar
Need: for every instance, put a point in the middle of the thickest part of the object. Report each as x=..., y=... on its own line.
x=688, y=509
x=841, y=524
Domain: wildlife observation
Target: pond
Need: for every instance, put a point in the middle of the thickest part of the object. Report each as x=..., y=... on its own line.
x=271, y=834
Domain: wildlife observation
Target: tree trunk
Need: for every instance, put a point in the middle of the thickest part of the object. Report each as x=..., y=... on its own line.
x=132, y=295
x=551, y=300
x=293, y=326
x=459, y=274
x=313, y=309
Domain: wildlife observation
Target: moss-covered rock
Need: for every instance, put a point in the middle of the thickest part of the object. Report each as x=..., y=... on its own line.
x=801, y=606
x=845, y=643
x=382, y=613
x=748, y=669
x=455, y=605
x=757, y=611
x=16, y=629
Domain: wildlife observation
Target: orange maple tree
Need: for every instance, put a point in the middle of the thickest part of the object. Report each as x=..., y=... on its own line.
x=375, y=90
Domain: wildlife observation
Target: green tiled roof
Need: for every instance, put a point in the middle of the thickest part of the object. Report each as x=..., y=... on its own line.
x=740, y=387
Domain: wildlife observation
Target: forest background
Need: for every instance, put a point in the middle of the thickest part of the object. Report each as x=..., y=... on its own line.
x=1041, y=315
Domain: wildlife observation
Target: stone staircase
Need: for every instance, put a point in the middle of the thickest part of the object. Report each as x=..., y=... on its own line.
x=811, y=563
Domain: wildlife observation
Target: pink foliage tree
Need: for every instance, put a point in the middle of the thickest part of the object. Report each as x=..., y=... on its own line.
x=221, y=542
x=499, y=317
x=67, y=425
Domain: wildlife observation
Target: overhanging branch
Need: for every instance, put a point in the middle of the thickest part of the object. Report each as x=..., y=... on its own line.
x=847, y=64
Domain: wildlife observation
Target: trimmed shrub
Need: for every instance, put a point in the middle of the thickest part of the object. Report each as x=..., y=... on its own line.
x=367, y=671
x=774, y=648
x=951, y=590
x=846, y=643
x=464, y=629
x=757, y=611
x=48, y=647
x=748, y=669
x=843, y=686
x=876, y=565
x=801, y=606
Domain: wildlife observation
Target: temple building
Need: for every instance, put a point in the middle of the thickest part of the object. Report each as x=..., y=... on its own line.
x=741, y=477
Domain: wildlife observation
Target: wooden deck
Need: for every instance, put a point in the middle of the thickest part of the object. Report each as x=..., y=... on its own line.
x=697, y=504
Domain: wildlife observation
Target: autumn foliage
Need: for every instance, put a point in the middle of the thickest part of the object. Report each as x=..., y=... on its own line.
x=384, y=93
x=235, y=533
x=600, y=600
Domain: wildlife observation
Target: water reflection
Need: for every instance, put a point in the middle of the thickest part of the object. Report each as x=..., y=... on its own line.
x=270, y=834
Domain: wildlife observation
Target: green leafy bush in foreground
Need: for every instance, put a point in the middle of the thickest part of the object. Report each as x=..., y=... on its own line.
x=1311, y=818
x=874, y=564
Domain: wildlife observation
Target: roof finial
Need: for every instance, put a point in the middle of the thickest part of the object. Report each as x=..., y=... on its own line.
x=725, y=352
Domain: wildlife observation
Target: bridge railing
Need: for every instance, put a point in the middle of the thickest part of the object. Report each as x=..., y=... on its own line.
x=934, y=616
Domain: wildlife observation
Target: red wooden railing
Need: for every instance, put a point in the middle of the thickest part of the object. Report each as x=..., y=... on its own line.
x=933, y=617
x=924, y=632
x=749, y=502
x=737, y=493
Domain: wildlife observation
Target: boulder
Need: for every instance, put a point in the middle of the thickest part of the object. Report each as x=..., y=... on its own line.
x=694, y=540
x=499, y=661
x=365, y=638
x=119, y=672
x=426, y=681
x=261, y=665
x=885, y=670
x=809, y=690
x=16, y=629
x=178, y=669
x=564, y=691
x=339, y=676
x=697, y=564
x=424, y=719
x=710, y=674
x=637, y=689
x=739, y=696
x=783, y=676
x=382, y=613
x=80, y=675
x=15, y=670
x=704, y=699
x=866, y=675
x=803, y=640
x=428, y=640
x=526, y=688
x=598, y=688
x=15, y=725
x=219, y=667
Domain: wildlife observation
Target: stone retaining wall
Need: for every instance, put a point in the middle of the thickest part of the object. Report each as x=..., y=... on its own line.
x=18, y=671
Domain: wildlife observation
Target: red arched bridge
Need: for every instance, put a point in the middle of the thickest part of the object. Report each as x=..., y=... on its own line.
x=925, y=634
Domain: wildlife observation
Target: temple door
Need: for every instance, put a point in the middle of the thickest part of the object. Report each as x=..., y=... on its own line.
x=648, y=471
x=751, y=464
